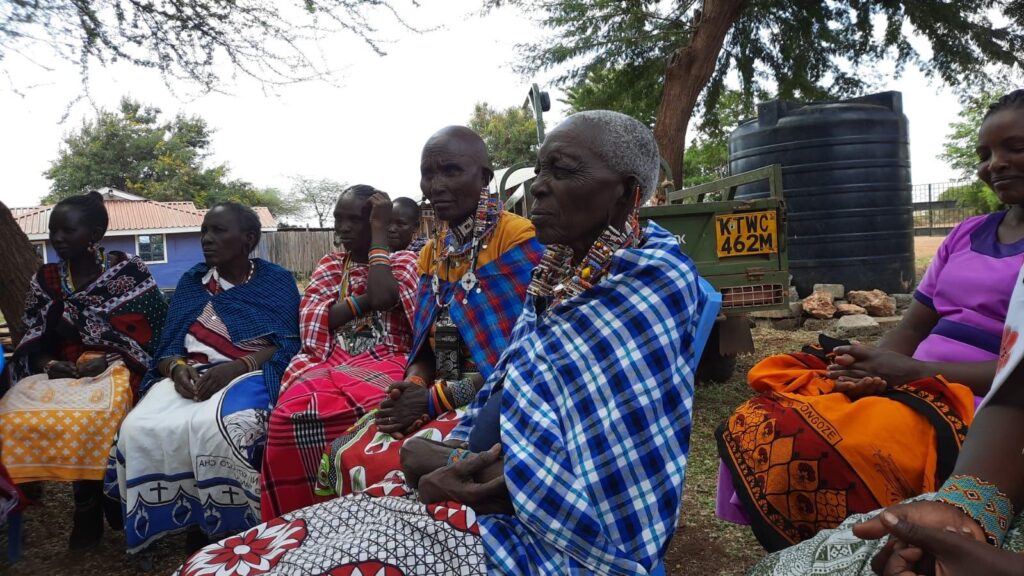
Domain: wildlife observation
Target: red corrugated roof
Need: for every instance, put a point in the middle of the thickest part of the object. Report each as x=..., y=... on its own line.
x=131, y=215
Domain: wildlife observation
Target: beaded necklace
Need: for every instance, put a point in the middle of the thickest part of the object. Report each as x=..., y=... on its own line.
x=67, y=283
x=556, y=278
x=353, y=334
x=450, y=252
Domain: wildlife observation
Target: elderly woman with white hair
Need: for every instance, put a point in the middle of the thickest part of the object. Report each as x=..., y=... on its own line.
x=572, y=457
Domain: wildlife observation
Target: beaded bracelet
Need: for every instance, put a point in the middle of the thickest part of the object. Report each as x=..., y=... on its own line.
x=461, y=392
x=384, y=249
x=982, y=501
x=457, y=455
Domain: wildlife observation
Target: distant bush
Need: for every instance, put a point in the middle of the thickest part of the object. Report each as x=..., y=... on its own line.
x=976, y=197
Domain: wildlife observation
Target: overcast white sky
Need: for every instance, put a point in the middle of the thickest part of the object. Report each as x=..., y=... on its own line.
x=369, y=129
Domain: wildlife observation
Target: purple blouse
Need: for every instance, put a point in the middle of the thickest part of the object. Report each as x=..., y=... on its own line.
x=969, y=284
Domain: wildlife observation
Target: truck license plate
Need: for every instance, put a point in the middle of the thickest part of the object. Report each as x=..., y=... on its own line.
x=746, y=234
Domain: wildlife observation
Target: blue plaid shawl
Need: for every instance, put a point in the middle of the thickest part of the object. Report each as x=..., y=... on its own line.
x=487, y=318
x=595, y=420
x=265, y=306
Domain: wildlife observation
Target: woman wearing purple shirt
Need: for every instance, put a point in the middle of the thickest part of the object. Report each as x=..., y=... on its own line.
x=955, y=323
x=952, y=330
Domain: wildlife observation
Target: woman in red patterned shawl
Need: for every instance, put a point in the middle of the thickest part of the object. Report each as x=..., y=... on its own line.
x=356, y=324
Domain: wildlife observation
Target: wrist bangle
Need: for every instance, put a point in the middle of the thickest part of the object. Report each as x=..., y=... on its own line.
x=432, y=403
x=355, y=306
x=175, y=364
x=440, y=386
x=384, y=249
x=983, y=502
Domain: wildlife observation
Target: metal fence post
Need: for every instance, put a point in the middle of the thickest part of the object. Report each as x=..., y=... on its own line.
x=931, y=213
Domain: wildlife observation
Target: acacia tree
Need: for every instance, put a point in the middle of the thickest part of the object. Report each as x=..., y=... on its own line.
x=313, y=197
x=510, y=134
x=198, y=42
x=685, y=50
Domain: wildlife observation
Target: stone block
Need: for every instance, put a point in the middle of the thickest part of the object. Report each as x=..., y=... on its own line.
x=819, y=325
x=887, y=323
x=903, y=300
x=857, y=326
x=838, y=291
x=772, y=314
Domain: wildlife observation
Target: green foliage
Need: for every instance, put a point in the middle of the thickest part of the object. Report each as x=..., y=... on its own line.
x=635, y=91
x=511, y=134
x=133, y=150
x=959, y=148
x=707, y=157
x=794, y=50
x=976, y=196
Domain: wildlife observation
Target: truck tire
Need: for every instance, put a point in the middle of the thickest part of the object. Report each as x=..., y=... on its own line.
x=715, y=366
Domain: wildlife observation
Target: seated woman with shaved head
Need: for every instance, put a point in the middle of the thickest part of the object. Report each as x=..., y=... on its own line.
x=472, y=282
x=571, y=459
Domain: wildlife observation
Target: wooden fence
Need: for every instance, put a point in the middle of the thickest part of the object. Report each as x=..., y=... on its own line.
x=298, y=250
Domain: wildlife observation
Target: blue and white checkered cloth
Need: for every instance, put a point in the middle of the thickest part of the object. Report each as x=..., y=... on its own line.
x=595, y=420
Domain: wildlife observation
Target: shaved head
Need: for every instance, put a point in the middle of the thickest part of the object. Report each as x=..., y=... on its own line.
x=454, y=168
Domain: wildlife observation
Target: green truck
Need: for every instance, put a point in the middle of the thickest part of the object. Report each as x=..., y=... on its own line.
x=738, y=245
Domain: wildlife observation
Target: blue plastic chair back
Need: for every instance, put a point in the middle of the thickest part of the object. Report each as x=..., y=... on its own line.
x=708, y=316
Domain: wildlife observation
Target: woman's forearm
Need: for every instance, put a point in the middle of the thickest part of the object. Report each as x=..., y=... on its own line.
x=975, y=375
x=263, y=355
x=994, y=449
x=381, y=286
x=38, y=361
x=423, y=366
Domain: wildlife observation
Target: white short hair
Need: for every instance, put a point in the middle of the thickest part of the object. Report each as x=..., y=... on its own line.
x=627, y=146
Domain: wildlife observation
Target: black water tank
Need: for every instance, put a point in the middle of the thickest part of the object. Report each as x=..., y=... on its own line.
x=846, y=178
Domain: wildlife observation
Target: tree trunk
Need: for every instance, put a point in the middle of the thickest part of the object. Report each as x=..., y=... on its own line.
x=18, y=262
x=689, y=70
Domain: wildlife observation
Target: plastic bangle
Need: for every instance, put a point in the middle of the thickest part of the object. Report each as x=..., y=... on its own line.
x=444, y=399
x=175, y=364
x=416, y=380
x=431, y=404
x=384, y=249
x=355, y=306
x=982, y=501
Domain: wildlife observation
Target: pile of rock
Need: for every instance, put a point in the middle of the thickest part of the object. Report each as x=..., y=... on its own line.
x=831, y=309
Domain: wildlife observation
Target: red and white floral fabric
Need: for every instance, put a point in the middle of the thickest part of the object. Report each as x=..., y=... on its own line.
x=385, y=531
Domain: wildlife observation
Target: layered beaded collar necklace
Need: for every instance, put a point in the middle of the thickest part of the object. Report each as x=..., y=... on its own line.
x=556, y=278
x=467, y=237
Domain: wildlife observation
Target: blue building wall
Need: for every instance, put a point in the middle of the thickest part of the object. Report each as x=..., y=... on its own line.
x=183, y=252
